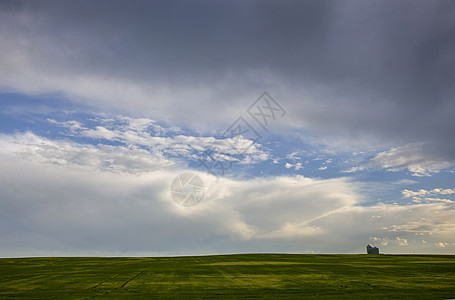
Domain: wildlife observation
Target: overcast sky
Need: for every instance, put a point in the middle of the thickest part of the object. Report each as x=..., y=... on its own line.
x=104, y=103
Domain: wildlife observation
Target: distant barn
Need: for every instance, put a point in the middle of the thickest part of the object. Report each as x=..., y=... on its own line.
x=372, y=250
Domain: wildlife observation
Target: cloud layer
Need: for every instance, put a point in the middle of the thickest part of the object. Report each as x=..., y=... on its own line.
x=67, y=206
x=363, y=69
x=370, y=83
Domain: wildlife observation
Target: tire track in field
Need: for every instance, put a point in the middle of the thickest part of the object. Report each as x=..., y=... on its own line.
x=240, y=277
x=105, y=293
x=229, y=275
x=193, y=280
x=124, y=284
x=132, y=278
x=105, y=280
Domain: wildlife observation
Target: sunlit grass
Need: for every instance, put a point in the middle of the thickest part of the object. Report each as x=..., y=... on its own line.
x=230, y=276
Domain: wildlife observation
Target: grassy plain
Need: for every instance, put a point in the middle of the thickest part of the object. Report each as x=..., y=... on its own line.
x=243, y=276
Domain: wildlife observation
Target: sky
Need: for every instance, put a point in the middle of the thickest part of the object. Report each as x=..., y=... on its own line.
x=314, y=127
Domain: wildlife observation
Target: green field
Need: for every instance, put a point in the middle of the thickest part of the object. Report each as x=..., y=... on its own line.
x=246, y=276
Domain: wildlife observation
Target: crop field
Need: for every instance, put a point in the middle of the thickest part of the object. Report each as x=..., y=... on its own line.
x=243, y=276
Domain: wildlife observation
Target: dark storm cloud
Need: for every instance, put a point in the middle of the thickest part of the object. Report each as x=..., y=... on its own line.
x=382, y=68
x=191, y=39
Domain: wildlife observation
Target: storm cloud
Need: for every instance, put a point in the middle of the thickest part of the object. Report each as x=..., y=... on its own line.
x=384, y=68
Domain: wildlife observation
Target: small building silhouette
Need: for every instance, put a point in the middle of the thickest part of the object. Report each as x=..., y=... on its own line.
x=372, y=250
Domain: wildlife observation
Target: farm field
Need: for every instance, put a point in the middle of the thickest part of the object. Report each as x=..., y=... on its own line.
x=243, y=276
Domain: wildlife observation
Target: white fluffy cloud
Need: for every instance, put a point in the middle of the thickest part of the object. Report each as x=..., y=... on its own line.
x=69, y=208
x=423, y=192
x=144, y=132
x=72, y=206
x=96, y=158
x=411, y=157
x=433, y=195
x=296, y=166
